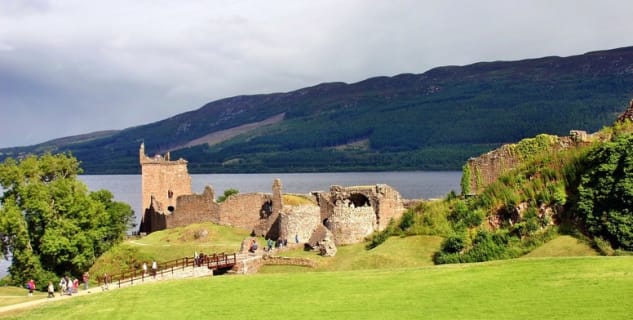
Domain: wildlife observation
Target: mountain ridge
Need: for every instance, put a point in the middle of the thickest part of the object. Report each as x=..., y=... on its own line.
x=428, y=121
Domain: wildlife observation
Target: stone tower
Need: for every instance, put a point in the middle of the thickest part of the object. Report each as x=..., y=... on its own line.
x=163, y=180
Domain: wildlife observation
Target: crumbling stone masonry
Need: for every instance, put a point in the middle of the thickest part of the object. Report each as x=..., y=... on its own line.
x=342, y=215
x=481, y=171
x=162, y=181
x=485, y=169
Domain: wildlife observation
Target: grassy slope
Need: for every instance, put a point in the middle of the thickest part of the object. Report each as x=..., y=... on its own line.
x=553, y=288
x=416, y=251
x=168, y=245
x=180, y=242
x=563, y=246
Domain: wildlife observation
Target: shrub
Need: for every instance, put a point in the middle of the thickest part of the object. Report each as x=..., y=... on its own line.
x=605, y=192
x=407, y=220
x=227, y=194
x=454, y=244
x=381, y=236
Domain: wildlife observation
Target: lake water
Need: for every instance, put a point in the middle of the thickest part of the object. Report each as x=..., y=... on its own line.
x=411, y=185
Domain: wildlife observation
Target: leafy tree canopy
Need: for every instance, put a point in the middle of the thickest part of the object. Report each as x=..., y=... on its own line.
x=606, y=192
x=50, y=224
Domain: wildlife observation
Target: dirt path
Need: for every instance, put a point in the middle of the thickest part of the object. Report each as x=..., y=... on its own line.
x=36, y=302
x=179, y=274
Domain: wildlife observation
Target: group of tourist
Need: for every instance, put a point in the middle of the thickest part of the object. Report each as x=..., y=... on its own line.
x=270, y=244
x=279, y=243
x=199, y=258
x=154, y=269
x=66, y=286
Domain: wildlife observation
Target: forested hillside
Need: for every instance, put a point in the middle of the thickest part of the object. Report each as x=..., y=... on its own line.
x=430, y=121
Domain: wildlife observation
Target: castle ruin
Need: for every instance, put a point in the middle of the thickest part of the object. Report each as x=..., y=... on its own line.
x=343, y=215
x=487, y=168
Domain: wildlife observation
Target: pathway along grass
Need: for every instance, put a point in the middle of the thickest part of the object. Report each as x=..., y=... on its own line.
x=544, y=288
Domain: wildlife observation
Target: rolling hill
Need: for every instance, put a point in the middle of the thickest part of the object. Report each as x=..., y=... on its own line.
x=430, y=121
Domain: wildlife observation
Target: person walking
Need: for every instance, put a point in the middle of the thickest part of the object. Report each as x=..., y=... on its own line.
x=62, y=286
x=106, y=282
x=154, y=268
x=31, y=286
x=51, y=290
x=144, y=269
x=86, y=278
x=69, y=286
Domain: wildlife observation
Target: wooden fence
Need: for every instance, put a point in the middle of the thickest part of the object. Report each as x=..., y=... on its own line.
x=214, y=262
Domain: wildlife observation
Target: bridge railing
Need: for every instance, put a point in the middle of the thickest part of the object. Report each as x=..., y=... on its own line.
x=213, y=261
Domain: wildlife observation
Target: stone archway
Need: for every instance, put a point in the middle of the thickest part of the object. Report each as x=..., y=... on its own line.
x=358, y=200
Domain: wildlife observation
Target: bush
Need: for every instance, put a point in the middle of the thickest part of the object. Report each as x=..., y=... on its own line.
x=227, y=194
x=407, y=220
x=454, y=244
x=381, y=236
x=605, y=192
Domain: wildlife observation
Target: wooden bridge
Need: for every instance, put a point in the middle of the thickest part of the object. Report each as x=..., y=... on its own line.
x=216, y=261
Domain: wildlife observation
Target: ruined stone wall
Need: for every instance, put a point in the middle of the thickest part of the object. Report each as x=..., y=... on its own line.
x=300, y=221
x=243, y=210
x=163, y=179
x=194, y=208
x=249, y=265
x=487, y=168
x=351, y=224
x=152, y=220
x=349, y=214
x=390, y=205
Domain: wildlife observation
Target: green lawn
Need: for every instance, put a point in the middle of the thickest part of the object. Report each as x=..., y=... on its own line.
x=539, y=288
x=14, y=295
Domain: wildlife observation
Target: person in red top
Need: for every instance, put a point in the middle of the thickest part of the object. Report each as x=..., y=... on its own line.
x=31, y=287
x=75, y=285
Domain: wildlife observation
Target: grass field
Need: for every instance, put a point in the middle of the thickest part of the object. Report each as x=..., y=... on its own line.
x=396, y=280
x=14, y=295
x=537, y=288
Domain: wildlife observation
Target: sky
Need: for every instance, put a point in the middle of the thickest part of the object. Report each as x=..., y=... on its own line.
x=71, y=67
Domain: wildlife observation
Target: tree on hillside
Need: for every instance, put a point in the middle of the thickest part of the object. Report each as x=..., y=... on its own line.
x=605, y=203
x=49, y=223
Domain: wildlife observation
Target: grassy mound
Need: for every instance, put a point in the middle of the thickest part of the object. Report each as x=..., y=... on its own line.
x=396, y=252
x=170, y=244
x=552, y=288
x=563, y=246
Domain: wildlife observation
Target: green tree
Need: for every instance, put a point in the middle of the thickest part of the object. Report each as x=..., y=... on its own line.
x=605, y=192
x=49, y=223
x=227, y=194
